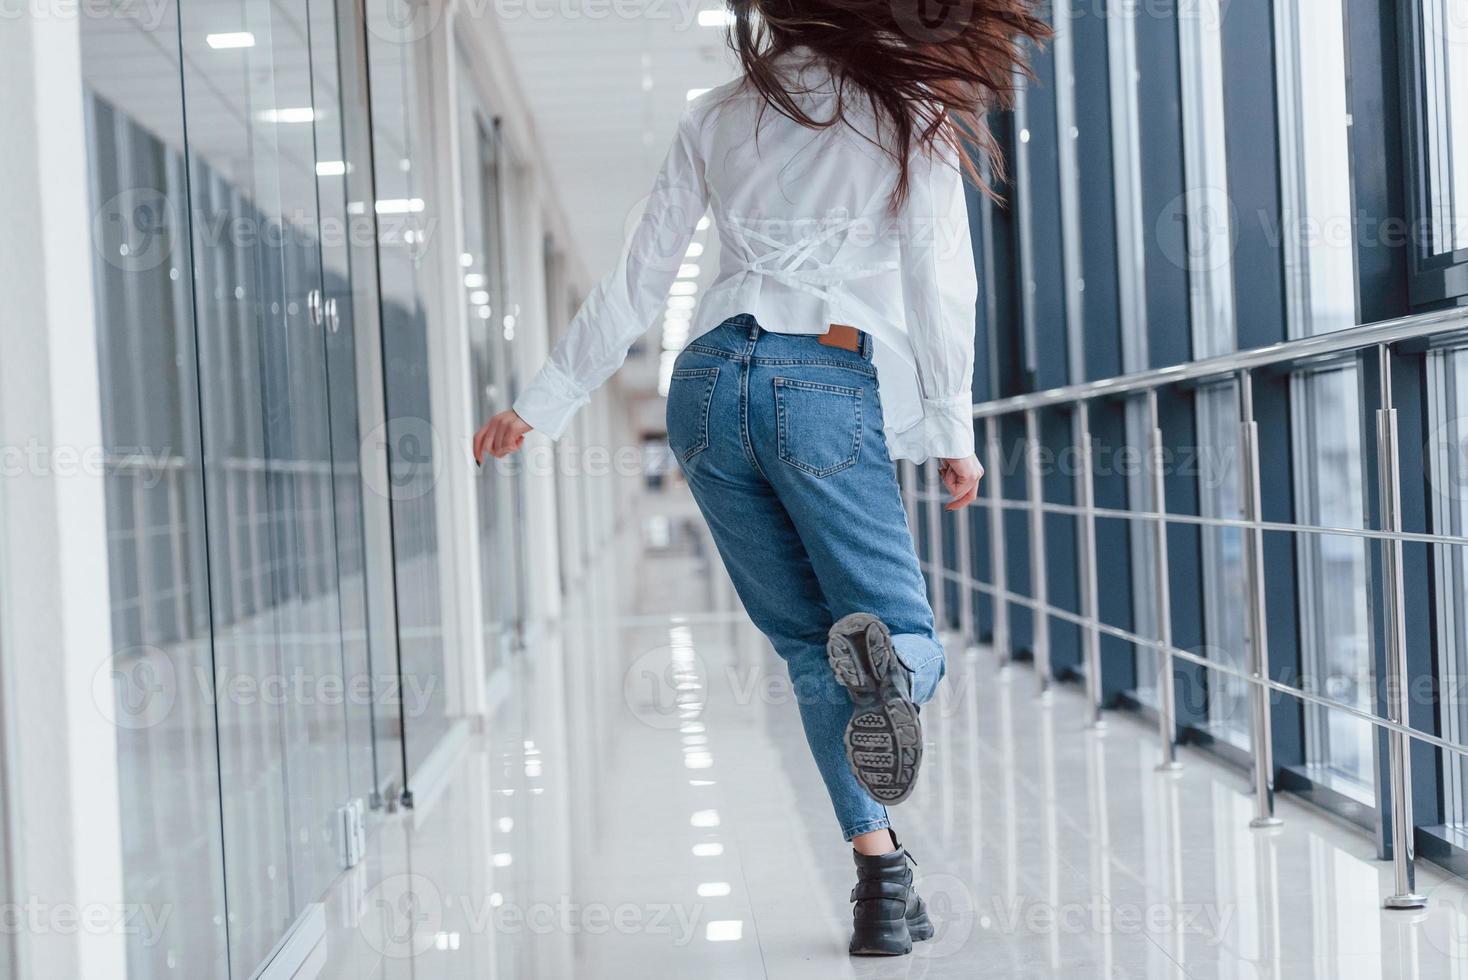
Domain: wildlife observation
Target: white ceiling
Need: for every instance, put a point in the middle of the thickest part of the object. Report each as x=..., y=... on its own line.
x=606, y=92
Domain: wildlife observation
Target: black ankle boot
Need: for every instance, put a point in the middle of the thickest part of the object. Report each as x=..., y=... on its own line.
x=889, y=916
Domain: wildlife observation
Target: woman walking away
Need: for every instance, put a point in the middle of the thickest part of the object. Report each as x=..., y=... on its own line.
x=834, y=167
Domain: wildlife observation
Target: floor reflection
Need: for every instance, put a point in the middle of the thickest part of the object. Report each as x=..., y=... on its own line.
x=641, y=804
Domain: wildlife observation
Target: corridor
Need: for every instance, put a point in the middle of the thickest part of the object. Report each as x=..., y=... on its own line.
x=658, y=816
x=293, y=686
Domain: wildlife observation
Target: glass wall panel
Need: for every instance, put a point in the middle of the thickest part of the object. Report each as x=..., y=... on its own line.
x=251, y=149
x=1448, y=462
x=158, y=682
x=1336, y=655
x=224, y=425
x=1318, y=218
x=1140, y=539
x=1224, y=596
x=1320, y=270
x=402, y=137
x=349, y=288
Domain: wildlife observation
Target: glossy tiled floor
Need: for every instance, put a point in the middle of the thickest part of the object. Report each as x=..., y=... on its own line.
x=641, y=805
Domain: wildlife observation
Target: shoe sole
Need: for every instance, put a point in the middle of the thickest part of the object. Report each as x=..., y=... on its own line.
x=919, y=929
x=884, y=739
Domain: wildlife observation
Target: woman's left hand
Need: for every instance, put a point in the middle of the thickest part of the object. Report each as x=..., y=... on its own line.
x=500, y=436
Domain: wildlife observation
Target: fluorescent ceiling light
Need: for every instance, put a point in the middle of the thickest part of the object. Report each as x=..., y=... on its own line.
x=707, y=850
x=230, y=39
x=330, y=168
x=715, y=18
x=703, y=222
x=695, y=249
x=683, y=288
x=681, y=302
x=400, y=205
x=295, y=114
x=688, y=270
x=704, y=818
x=694, y=93
x=724, y=930
x=474, y=280
x=713, y=889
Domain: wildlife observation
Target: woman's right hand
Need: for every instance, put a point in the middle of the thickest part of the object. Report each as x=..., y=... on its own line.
x=500, y=436
x=961, y=477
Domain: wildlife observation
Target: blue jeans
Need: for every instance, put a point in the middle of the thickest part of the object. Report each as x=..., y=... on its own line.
x=780, y=438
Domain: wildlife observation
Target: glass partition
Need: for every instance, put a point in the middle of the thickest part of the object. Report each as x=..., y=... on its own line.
x=1448, y=509
x=408, y=218
x=1224, y=595
x=157, y=682
x=1335, y=625
x=215, y=148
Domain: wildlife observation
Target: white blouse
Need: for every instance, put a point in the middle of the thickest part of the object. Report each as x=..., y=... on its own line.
x=806, y=240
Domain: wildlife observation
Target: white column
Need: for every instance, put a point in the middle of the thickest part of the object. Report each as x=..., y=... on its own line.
x=60, y=762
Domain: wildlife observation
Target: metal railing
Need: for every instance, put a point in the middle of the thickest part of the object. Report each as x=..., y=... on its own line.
x=1440, y=328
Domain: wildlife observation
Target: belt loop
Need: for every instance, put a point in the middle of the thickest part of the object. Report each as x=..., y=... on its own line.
x=866, y=345
x=753, y=328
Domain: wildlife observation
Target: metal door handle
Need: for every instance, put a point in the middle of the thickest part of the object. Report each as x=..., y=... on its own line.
x=313, y=306
x=333, y=321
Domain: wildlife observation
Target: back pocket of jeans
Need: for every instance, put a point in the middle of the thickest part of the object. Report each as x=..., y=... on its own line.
x=690, y=393
x=818, y=425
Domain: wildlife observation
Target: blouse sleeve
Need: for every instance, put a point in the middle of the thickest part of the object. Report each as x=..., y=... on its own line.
x=939, y=292
x=629, y=299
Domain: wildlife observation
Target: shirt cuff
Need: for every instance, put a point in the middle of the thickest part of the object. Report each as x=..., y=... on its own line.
x=948, y=427
x=550, y=400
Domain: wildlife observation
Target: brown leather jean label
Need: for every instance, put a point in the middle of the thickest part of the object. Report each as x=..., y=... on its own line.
x=843, y=336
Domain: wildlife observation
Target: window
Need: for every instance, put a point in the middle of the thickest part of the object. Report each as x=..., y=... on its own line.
x=1145, y=612
x=1335, y=629
x=1437, y=96
x=1320, y=250
x=1319, y=239
x=1224, y=594
x=1448, y=503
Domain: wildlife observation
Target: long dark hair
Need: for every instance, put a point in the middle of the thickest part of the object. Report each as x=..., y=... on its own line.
x=930, y=76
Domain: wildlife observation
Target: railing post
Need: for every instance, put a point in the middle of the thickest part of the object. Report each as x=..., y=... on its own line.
x=1399, y=760
x=1086, y=553
x=934, y=515
x=998, y=573
x=1039, y=588
x=1260, y=727
x=1166, y=694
